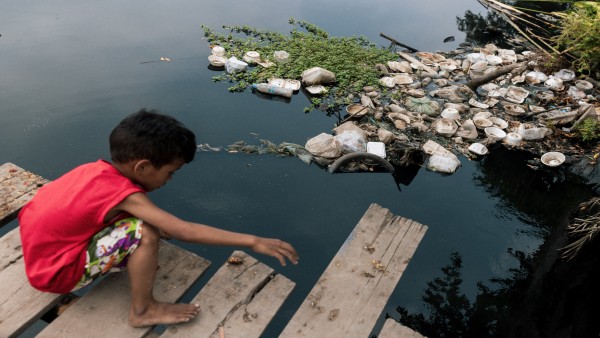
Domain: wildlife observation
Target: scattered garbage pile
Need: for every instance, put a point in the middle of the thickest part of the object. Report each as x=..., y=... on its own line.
x=442, y=104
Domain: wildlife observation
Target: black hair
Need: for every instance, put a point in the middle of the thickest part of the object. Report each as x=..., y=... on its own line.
x=159, y=138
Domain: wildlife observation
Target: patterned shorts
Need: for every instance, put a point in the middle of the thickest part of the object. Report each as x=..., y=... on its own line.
x=110, y=248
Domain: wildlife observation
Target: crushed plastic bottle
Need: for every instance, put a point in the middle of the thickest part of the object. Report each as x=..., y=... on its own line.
x=272, y=89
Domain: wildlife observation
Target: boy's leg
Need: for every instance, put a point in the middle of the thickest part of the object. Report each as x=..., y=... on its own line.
x=142, y=266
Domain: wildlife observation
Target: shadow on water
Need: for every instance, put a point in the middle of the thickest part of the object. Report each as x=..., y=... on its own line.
x=545, y=296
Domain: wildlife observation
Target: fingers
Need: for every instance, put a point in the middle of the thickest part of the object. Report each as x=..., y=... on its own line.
x=286, y=250
x=278, y=249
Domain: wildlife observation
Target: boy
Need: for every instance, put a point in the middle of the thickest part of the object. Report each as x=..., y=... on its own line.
x=97, y=218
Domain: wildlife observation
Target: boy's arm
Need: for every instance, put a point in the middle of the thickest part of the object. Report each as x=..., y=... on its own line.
x=140, y=206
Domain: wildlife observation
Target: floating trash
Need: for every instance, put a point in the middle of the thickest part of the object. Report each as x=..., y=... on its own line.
x=482, y=123
x=377, y=148
x=218, y=51
x=559, y=116
x=534, y=133
x=553, y=158
x=467, y=130
x=251, y=57
x=445, y=127
x=554, y=83
x=450, y=113
x=498, y=122
x=449, y=65
x=315, y=90
x=388, y=81
x=422, y=105
x=216, y=60
x=286, y=83
x=513, y=139
x=357, y=110
x=576, y=93
x=495, y=133
x=399, y=66
x=478, y=68
x=534, y=77
x=565, y=75
x=584, y=86
x=402, y=79
x=516, y=94
x=478, y=149
x=478, y=104
x=493, y=60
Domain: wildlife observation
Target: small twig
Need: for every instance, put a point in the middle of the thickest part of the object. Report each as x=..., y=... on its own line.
x=394, y=41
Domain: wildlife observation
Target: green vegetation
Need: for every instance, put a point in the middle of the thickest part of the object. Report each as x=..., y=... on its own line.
x=564, y=29
x=589, y=130
x=580, y=36
x=352, y=59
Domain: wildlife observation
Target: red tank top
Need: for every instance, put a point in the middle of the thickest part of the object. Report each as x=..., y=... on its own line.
x=57, y=224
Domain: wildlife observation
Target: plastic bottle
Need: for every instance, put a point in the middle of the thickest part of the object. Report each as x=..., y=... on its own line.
x=272, y=89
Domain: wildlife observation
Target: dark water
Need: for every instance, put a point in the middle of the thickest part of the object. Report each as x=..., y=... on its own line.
x=71, y=71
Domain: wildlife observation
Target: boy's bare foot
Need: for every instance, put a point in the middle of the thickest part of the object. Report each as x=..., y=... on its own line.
x=163, y=313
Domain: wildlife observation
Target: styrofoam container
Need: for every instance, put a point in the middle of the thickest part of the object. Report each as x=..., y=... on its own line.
x=377, y=148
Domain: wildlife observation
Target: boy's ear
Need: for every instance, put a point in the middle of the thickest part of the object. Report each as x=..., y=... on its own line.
x=142, y=166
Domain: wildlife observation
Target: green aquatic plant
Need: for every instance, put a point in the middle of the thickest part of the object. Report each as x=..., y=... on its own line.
x=351, y=59
x=580, y=36
x=589, y=130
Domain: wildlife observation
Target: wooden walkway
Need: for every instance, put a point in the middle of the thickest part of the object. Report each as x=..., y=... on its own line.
x=238, y=301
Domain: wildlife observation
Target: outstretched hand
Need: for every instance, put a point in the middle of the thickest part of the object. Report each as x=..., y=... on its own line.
x=276, y=248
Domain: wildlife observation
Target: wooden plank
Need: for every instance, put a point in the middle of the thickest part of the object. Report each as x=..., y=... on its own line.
x=107, y=304
x=17, y=187
x=20, y=304
x=10, y=248
x=251, y=319
x=240, y=300
x=393, y=329
x=352, y=292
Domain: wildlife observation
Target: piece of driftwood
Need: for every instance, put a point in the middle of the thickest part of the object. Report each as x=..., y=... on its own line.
x=480, y=80
x=396, y=42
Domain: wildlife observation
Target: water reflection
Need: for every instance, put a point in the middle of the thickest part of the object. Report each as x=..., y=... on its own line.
x=543, y=199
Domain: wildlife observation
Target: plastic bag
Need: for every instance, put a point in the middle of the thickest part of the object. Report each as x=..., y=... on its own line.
x=352, y=141
x=316, y=76
x=324, y=145
x=233, y=65
x=443, y=163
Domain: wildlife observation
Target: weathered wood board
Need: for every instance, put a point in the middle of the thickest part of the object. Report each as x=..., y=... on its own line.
x=238, y=301
x=104, y=310
x=20, y=304
x=393, y=329
x=17, y=187
x=352, y=292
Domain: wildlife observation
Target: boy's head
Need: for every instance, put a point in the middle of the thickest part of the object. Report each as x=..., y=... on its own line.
x=161, y=139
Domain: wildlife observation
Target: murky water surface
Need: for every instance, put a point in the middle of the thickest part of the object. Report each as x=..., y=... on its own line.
x=70, y=71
